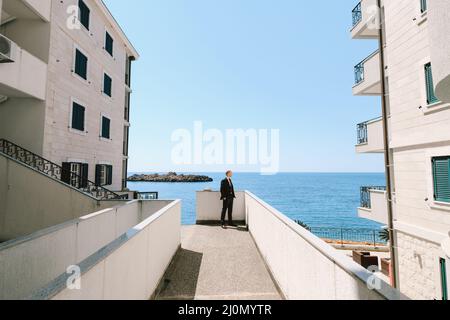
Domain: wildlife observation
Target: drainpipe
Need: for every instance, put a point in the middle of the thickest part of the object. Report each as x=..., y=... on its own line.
x=387, y=154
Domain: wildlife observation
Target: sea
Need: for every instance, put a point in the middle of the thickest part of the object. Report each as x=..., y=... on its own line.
x=321, y=200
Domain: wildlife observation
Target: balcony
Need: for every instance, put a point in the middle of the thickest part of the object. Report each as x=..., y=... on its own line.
x=27, y=9
x=24, y=77
x=439, y=31
x=370, y=137
x=374, y=204
x=368, y=77
x=364, y=20
x=140, y=250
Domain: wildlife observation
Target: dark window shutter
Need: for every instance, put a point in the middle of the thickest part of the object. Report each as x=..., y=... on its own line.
x=81, y=62
x=109, y=174
x=65, y=172
x=109, y=44
x=107, y=85
x=98, y=173
x=106, y=128
x=431, y=96
x=78, y=113
x=441, y=171
x=84, y=175
x=85, y=13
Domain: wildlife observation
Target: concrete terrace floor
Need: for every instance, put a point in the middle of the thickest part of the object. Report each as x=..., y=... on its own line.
x=217, y=264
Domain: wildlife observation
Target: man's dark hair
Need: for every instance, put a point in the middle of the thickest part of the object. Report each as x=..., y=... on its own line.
x=227, y=173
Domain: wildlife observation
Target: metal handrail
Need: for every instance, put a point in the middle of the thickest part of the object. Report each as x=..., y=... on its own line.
x=56, y=172
x=343, y=235
x=359, y=68
x=357, y=14
x=365, y=195
x=362, y=131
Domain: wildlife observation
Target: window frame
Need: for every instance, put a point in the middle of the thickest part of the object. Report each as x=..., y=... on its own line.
x=74, y=101
x=103, y=116
x=88, y=27
x=74, y=64
x=107, y=33
x=106, y=74
x=435, y=193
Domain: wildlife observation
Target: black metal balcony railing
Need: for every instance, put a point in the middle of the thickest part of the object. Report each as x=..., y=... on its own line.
x=362, y=133
x=56, y=172
x=357, y=14
x=359, y=72
x=365, y=196
x=348, y=235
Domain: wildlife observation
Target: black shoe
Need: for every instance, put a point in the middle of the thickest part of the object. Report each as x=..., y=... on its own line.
x=233, y=225
x=223, y=225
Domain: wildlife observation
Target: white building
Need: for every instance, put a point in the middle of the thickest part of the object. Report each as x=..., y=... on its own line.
x=65, y=86
x=415, y=38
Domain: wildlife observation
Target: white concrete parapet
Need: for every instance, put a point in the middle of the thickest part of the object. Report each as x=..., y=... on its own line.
x=304, y=266
x=35, y=266
x=209, y=207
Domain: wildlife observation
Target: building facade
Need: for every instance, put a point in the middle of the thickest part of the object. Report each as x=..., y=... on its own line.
x=413, y=62
x=65, y=93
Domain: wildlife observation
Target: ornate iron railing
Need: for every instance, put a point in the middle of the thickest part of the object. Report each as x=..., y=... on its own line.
x=357, y=14
x=365, y=196
x=362, y=133
x=359, y=72
x=349, y=235
x=56, y=172
x=147, y=195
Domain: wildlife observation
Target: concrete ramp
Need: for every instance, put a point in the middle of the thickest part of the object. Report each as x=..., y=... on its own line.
x=217, y=264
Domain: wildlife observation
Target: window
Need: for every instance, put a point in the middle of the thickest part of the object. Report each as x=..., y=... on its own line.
x=84, y=14
x=78, y=116
x=444, y=283
x=109, y=44
x=75, y=174
x=81, y=64
x=423, y=6
x=103, y=175
x=107, y=85
x=441, y=170
x=431, y=97
x=106, y=128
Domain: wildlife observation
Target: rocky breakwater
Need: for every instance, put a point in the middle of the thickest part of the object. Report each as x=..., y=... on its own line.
x=170, y=177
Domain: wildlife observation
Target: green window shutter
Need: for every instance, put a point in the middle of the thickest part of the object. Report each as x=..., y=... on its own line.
x=65, y=172
x=98, y=174
x=84, y=175
x=81, y=62
x=106, y=128
x=109, y=172
x=78, y=114
x=107, y=85
x=84, y=14
x=431, y=97
x=441, y=170
x=423, y=5
x=444, y=283
x=109, y=44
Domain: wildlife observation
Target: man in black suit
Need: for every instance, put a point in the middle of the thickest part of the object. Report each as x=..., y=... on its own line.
x=228, y=196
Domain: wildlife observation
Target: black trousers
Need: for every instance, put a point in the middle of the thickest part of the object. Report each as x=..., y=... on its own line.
x=228, y=206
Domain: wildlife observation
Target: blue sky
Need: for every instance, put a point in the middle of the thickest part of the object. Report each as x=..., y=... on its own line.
x=263, y=64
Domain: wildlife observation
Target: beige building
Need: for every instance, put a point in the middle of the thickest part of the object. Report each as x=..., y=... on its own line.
x=414, y=61
x=65, y=86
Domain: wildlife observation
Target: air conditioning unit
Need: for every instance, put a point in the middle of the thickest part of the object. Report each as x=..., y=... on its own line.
x=8, y=50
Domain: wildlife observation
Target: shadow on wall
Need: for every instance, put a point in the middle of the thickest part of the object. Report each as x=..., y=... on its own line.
x=181, y=278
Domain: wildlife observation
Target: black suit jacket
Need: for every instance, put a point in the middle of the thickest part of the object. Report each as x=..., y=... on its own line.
x=226, y=190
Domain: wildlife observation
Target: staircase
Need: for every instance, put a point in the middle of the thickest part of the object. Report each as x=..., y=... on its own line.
x=55, y=171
